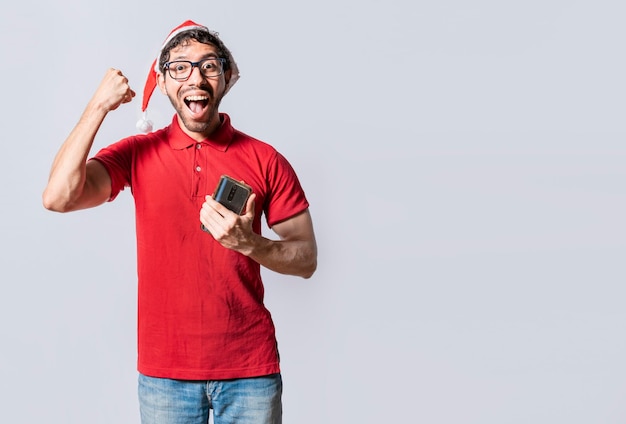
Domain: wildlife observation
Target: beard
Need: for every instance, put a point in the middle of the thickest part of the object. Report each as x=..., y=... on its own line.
x=192, y=125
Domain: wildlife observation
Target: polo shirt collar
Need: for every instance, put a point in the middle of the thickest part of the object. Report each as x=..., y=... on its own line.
x=220, y=139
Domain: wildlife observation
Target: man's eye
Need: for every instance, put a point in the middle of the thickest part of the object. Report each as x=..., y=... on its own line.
x=179, y=67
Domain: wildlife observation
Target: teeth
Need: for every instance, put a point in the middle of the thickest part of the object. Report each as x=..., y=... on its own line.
x=196, y=98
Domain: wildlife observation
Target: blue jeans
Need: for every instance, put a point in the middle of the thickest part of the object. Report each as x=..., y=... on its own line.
x=241, y=401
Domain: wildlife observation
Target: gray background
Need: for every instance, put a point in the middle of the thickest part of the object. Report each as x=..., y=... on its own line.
x=465, y=166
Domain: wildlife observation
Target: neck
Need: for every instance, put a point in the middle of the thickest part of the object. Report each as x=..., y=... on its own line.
x=201, y=132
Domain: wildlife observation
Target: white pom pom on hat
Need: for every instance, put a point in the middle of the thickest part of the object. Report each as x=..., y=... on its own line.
x=144, y=124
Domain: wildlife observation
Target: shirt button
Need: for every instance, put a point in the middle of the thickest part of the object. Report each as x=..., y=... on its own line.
x=198, y=168
x=198, y=146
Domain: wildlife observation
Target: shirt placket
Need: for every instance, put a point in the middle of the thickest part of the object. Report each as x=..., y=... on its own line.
x=199, y=171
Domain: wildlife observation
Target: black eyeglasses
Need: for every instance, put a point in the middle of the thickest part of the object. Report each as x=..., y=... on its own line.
x=180, y=70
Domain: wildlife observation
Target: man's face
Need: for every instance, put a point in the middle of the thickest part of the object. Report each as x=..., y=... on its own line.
x=197, y=99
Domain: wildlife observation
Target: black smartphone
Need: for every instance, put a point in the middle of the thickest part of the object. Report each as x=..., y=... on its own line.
x=232, y=194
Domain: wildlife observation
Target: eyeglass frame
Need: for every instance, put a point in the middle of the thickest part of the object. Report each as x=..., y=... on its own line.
x=220, y=60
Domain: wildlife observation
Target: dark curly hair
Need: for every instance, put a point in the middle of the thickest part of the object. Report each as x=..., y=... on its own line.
x=200, y=36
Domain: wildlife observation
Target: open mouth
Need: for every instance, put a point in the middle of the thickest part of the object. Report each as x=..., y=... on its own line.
x=196, y=103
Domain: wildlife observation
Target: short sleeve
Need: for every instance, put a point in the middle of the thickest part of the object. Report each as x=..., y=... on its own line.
x=286, y=198
x=117, y=159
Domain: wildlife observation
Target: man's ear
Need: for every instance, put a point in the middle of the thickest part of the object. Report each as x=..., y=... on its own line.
x=161, y=82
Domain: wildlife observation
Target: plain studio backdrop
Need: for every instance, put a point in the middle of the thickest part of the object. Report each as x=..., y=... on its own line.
x=465, y=164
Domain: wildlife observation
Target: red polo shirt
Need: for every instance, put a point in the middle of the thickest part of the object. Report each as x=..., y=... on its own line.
x=200, y=306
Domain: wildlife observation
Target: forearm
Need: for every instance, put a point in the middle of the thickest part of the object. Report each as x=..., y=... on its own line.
x=68, y=175
x=292, y=257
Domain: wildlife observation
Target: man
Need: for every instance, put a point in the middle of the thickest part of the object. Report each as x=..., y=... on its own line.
x=205, y=339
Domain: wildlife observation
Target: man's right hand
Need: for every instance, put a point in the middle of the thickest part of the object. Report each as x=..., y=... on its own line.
x=113, y=90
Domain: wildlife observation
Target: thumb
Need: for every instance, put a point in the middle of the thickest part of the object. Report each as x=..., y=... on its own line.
x=250, y=206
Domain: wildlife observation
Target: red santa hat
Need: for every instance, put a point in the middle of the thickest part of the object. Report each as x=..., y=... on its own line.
x=145, y=125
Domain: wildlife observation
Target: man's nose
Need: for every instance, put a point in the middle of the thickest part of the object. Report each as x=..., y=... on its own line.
x=195, y=76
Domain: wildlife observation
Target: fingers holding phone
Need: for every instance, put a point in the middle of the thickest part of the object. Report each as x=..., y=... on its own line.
x=221, y=214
